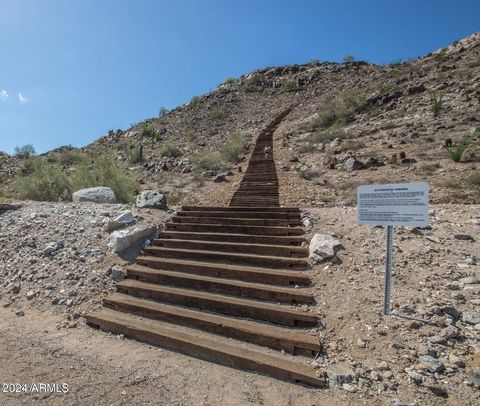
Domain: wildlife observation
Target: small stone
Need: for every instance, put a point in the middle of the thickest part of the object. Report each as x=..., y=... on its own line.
x=361, y=343
x=450, y=332
x=349, y=388
x=219, y=178
x=474, y=377
x=30, y=294
x=20, y=313
x=463, y=237
x=383, y=366
x=471, y=317
x=118, y=274
x=415, y=377
x=352, y=164
x=15, y=288
x=434, y=365
x=437, y=340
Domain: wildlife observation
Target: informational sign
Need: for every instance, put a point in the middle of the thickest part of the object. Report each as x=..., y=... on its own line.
x=402, y=204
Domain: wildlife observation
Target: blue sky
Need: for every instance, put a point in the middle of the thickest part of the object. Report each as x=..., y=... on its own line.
x=70, y=70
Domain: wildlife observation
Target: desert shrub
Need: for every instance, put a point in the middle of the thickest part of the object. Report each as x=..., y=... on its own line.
x=149, y=131
x=217, y=114
x=45, y=182
x=104, y=170
x=313, y=62
x=170, y=150
x=327, y=135
x=69, y=157
x=456, y=152
x=194, y=100
x=388, y=88
x=25, y=151
x=289, y=85
x=207, y=160
x=191, y=136
x=395, y=63
x=348, y=58
x=252, y=84
x=175, y=198
x=135, y=153
x=436, y=101
x=339, y=110
x=474, y=64
x=233, y=147
x=230, y=80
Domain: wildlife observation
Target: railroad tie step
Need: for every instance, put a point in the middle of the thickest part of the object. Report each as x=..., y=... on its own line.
x=204, y=346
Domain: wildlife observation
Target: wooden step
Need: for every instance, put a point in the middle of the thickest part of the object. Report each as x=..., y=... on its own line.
x=233, y=208
x=234, y=221
x=234, y=247
x=277, y=338
x=229, y=258
x=249, y=274
x=223, y=228
x=234, y=306
x=241, y=238
x=241, y=214
x=210, y=284
x=204, y=346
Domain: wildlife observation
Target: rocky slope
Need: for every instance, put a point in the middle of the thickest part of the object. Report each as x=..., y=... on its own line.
x=390, y=128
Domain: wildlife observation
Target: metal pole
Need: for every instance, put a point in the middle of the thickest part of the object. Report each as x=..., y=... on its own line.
x=388, y=271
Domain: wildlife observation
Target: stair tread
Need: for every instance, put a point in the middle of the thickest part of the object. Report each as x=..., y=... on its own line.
x=204, y=345
x=228, y=254
x=216, y=297
x=230, y=244
x=250, y=326
x=233, y=282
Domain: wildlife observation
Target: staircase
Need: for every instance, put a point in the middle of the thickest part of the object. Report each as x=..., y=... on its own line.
x=223, y=283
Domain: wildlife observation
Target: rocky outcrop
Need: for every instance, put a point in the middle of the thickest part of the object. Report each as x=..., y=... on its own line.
x=98, y=194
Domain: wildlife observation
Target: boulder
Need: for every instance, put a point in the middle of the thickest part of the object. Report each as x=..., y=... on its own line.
x=95, y=194
x=124, y=239
x=152, y=198
x=122, y=220
x=323, y=246
x=352, y=164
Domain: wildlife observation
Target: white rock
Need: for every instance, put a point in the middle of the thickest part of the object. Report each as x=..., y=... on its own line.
x=123, y=239
x=95, y=194
x=152, y=198
x=118, y=274
x=323, y=246
x=121, y=220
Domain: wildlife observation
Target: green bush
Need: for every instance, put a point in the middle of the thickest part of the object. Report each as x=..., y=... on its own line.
x=104, y=170
x=45, y=182
x=191, y=136
x=289, y=85
x=327, y=135
x=436, y=100
x=149, y=131
x=135, y=154
x=253, y=83
x=69, y=157
x=217, y=114
x=194, y=100
x=230, y=80
x=233, y=147
x=348, y=58
x=170, y=150
x=474, y=180
x=456, y=153
x=313, y=62
x=25, y=151
x=338, y=111
x=207, y=160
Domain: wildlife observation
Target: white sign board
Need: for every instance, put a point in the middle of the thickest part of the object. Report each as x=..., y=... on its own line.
x=402, y=204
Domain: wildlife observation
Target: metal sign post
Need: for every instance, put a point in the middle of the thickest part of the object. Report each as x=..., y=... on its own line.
x=388, y=271
x=404, y=204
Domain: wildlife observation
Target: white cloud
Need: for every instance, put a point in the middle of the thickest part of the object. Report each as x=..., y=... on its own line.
x=22, y=98
x=3, y=94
